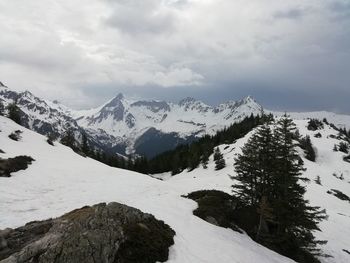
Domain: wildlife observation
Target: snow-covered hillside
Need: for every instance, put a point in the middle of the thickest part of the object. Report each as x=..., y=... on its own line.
x=59, y=180
x=333, y=171
x=340, y=120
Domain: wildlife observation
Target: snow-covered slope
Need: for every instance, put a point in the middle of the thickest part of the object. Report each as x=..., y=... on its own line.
x=340, y=120
x=59, y=180
x=329, y=165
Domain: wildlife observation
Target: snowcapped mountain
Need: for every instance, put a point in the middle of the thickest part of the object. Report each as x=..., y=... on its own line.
x=37, y=114
x=145, y=127
x=142, y=123
x=128, y=126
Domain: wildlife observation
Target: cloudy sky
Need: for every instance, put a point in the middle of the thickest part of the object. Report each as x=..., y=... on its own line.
x=289, y=55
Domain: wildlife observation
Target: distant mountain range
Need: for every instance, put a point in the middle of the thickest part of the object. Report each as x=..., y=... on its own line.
x=126, y=126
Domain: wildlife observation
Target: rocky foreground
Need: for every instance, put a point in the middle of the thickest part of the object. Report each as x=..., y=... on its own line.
x=101, y=233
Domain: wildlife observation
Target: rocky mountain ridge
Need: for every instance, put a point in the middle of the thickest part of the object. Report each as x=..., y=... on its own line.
x=128, y=126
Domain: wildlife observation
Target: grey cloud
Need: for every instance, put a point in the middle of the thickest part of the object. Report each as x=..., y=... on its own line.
x=294, y=13
x=297, y=56
x=341, y=9
x=141, y=17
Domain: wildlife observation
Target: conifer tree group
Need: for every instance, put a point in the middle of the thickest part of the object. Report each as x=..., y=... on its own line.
x=68, y=138
x=269, y=177
x=2, y=109
x=14, y=112
x=219, y=159
x=305, y=143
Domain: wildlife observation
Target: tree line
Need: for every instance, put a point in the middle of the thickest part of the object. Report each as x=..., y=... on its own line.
x=187, y=156
x=12, y=111
x=190, y=156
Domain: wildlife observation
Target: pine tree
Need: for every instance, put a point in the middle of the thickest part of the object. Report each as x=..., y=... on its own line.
x=246, y=173
x=269, y=174
x=254, y=167
x=51, y=137
x=205, y=160
x=2, y=109
x=318, y=180
x=85, y=148
x=193, y=159
x=14, y=112
x=130, y=163
x=335, y=148
x=343, y=147
x=306, y=144
x=295, y=218
x=175, y=164
x=219, y=159
x=68, y=138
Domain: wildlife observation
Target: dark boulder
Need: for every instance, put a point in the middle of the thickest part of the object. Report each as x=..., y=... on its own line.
x=216, y=207
x=110, y=232
x=11, y=165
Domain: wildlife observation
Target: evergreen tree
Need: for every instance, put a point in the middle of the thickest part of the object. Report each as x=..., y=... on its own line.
x=130, y=163
x=254, y=167
x=343, y=147
x=205, y=160
x=14, y=112
x=122, y=163
x=219, y=159
x=51, y=137
x=305, y=143
x=269, y=175
x=68, y=138
x=335, y=148
x=175, y=165
x=295, y=218
x=2, y=109
x=318, y=180
x=85, y=148
x=193, y=158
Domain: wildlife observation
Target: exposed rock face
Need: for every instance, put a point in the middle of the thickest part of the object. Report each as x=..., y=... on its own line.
x=119, y=125
x=154, y=106
x=110, y=232
x=11, y=165
x=130, y=120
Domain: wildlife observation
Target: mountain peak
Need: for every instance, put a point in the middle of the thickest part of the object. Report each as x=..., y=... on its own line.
x=116, y=101
x=27, y=93
x=186, y=101
x=119, y=96
x=249, y=99
x=2, y=85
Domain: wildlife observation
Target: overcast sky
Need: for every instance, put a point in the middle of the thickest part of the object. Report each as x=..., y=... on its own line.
x=289, y=55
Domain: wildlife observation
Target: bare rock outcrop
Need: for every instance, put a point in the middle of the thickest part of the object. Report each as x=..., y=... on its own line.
x=107, y=233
